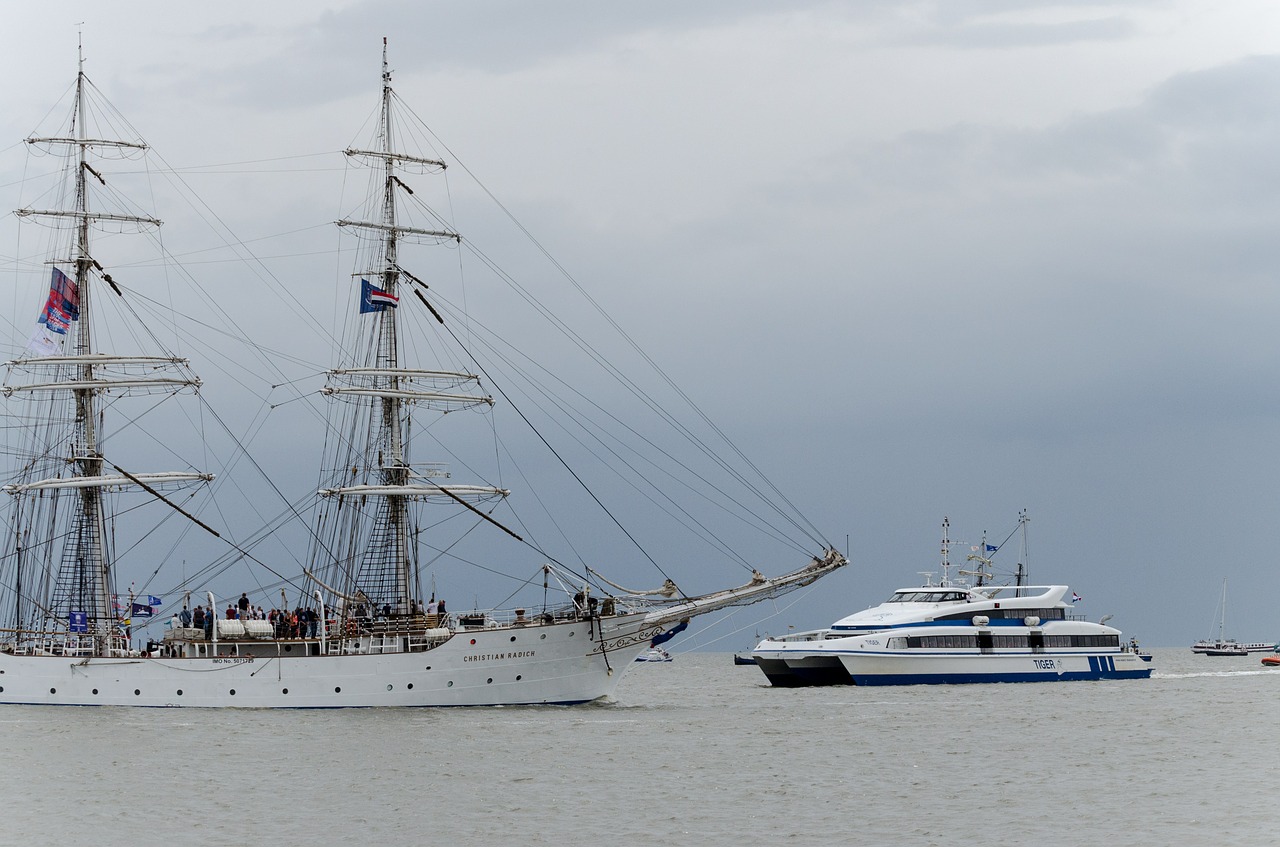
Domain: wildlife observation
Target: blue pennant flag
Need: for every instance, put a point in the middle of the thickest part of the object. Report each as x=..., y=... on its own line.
x=154, y=601
x=670, y=634
x=991, y=548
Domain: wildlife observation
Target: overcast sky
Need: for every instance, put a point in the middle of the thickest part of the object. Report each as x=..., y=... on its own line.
x=917, y=258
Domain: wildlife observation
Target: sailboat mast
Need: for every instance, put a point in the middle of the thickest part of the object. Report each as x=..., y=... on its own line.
x=88, y=460
x=395, y=472
x=1222, y=619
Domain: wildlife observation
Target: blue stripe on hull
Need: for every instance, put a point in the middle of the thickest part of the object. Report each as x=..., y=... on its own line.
x=960, y=678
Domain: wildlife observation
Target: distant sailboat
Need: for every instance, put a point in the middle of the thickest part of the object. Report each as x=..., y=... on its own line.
x=1223, y=646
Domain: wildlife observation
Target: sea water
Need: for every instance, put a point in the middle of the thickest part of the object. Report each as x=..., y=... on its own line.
x=698, y=751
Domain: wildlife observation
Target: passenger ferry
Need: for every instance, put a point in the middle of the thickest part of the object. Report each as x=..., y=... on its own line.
x=956, y=633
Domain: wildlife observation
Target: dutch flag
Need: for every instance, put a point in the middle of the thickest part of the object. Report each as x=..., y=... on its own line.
x=375, y=299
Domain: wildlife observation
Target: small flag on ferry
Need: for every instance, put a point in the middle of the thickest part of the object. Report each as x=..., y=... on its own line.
x=375, y=299
x=1075, y=598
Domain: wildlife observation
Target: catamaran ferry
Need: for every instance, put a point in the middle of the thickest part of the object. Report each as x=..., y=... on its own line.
x=953, y=633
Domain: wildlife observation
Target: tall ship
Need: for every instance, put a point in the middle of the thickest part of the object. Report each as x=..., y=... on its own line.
x=359, y=625
x=958, y=630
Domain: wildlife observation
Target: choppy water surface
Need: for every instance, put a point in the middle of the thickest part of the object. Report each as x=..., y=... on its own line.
x=696, y=751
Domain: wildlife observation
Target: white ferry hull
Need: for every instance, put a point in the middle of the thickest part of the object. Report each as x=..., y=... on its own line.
x=789, y=668
x=555, y=664
x=889, y=669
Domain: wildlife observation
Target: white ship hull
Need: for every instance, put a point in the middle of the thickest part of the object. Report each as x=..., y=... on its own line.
x=890, y=669
x=562, y=663
x=789, y=669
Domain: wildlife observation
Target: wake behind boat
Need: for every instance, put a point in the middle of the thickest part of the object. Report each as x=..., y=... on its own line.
x=954, y=632
x=355, y=627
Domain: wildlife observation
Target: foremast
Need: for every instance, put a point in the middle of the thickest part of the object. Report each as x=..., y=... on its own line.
x=377, y=566
x=79, y=603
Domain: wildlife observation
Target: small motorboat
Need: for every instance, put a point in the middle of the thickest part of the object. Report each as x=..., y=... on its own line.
x=1272, y=660
x=654, y=654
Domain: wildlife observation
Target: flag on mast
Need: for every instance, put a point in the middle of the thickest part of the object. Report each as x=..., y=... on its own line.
x=375, y=299
x=63, y=305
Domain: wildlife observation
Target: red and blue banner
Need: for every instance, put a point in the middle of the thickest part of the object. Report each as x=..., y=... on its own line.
x=63, y=305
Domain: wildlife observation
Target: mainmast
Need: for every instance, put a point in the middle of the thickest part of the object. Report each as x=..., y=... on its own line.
x=380, y=569
x=395, y=473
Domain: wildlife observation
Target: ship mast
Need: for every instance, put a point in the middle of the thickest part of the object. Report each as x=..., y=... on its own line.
x=382, y=571
x=85, y=575
x=395, y=472
x=91, y=529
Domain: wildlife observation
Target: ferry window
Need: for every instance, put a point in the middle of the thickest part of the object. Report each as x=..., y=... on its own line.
x=944, y=642
x=898, y=643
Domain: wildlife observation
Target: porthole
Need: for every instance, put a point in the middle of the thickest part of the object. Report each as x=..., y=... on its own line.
x=2, y=690
x=284, y=691
x=451, y=683
x=288, y=648
x=389, y=687
x=543, y=636
x=409, y=686
x=571, y=633
x=519, y=677
x=95, y=691
x=179, y=692
x=337, y=690
x=473, y=641
x=489, y=681
x=137, y=692
x=53, y=691
x=233, y=692
x=513, y=638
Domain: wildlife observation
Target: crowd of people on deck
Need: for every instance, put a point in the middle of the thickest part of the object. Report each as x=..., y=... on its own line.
x=301, y=622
